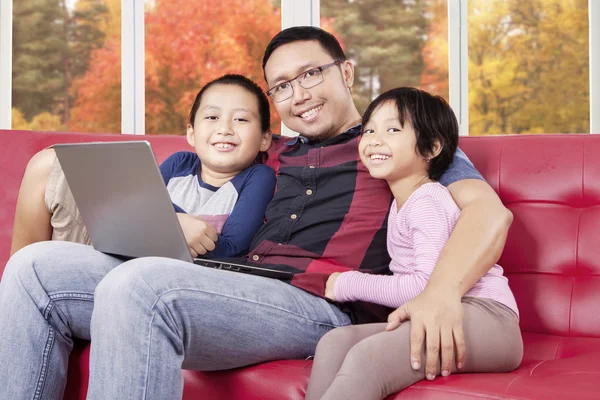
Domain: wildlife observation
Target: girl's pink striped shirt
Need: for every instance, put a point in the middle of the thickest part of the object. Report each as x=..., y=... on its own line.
x=416, y=236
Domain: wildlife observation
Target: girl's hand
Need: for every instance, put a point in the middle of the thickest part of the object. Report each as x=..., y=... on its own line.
x=330, y=284
x=395, y=318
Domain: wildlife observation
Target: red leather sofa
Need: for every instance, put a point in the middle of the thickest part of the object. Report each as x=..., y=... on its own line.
x=552, y=259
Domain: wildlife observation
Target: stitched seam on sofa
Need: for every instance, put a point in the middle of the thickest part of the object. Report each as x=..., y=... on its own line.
x=579, y=373
x=546, y=202
x=537, y=365
x=582, y=169
x=576, y=267
x=564, y=274
x=571, y=304
x=558, y=346
x=41, y=383
x=458, y=391
x=500, y=169
x=578, y=232
x=511, y=383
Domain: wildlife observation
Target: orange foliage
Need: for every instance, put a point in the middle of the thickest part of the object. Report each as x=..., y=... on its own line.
x=434, y=77
x=97, y=106
x=327, y=24
x=187, y=44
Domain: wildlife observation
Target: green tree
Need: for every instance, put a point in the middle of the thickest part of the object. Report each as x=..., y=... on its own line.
x=38, y=49
x=82, y=33
x=51, y=47
x=384, y=39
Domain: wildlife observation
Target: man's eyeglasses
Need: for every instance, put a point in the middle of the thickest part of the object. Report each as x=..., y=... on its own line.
x=307, y=79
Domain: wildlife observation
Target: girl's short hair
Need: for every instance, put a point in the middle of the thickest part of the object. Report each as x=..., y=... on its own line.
x=430, y=117
x=249, y=85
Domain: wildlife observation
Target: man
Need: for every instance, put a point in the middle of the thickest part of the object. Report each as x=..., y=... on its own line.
x=150, y=317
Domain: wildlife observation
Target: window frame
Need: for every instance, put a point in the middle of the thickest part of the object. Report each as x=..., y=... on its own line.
x=5, y=64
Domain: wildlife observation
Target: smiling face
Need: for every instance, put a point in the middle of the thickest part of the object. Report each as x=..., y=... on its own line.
x=388, y=149
x=227, y=132
x=322, y=111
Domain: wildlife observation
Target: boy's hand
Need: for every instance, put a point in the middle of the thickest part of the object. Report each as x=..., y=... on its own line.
x=330, y=284
x=199, y=235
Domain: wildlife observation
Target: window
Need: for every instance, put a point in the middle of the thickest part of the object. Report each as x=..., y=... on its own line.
x=528, y=66
x=392, y=43
x=188, y=44
x=66, y=65
x=532, y=65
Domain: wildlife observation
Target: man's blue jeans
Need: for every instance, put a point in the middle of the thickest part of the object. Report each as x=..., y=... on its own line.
x=147, y=318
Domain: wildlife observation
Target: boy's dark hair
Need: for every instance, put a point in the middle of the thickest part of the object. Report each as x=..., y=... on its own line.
x=430, y=117
x=305, y=33
x=245, y=83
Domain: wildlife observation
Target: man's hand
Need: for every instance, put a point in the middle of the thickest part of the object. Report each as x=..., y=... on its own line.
x=199, y=235
x=330, y=284
x=436, y=322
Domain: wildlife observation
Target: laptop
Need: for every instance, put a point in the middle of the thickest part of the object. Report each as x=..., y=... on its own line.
x=125, y=206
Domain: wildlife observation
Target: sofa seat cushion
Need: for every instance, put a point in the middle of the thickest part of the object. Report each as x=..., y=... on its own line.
x=553, y=367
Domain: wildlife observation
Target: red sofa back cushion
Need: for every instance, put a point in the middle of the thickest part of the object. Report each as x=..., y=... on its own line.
x=552, y=186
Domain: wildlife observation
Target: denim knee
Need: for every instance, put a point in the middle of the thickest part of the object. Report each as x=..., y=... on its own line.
x=119, y=286
x=21, y=266
x=125, y=301
x=128, y=287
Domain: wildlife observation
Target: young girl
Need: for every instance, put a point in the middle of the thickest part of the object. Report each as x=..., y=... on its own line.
x=409, y=138
x=220, y=191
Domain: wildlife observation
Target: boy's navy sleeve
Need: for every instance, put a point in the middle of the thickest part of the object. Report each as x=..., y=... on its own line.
x=168, y=168
x=248, y=215
x=178, y=209
x=461, y=168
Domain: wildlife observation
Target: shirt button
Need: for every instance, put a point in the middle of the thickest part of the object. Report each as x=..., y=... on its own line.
x=293, y=216
x=255, y=257
x=309, y=192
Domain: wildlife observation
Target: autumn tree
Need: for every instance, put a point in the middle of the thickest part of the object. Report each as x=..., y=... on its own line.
x=528, y=66
x=37, y=79
x=434, y=77
x=384, y=38
x=51, y=47
x=187, y=44
x=111, y=25
x=82, y=34
x=97, y=106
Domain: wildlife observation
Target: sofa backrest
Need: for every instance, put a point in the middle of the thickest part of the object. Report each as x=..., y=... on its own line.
x=551, y=184
x=17, y=147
